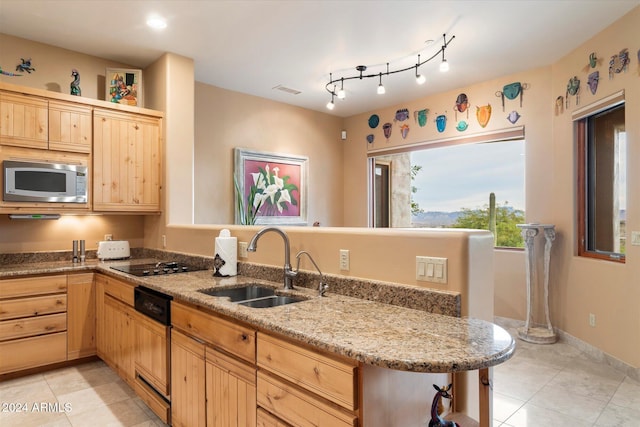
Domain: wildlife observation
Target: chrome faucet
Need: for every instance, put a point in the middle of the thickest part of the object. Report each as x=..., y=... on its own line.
x=322, y=286
x=289, y=274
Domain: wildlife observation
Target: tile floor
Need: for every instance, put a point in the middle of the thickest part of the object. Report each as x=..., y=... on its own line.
x=558, y=385
x=542, y=385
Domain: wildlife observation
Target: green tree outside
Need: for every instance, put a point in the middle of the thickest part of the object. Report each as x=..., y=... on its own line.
x=506, y=219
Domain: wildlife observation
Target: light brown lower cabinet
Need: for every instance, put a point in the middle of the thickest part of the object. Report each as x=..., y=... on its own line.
x=119, y=338
x=231, y=391
x=188, y=403
x=265, y=419
x=33, y=322
x=81, y=316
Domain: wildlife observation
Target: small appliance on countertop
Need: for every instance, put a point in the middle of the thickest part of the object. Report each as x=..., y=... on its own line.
x=113, y=249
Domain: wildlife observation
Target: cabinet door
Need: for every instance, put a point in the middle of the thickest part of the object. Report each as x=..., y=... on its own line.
x=231, y=391
x=69, y=127
x=187, y=381
x=81, y=316
x=119, y=326
x=23, y=120
x=152, y=353
x=126, y=162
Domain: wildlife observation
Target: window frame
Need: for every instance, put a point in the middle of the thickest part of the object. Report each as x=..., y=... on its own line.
x=581, y=131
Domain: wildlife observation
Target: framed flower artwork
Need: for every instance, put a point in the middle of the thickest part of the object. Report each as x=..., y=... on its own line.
x=271, y=188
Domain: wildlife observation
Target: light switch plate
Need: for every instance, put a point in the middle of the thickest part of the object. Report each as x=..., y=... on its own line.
x=431, y=269
x=635, y=238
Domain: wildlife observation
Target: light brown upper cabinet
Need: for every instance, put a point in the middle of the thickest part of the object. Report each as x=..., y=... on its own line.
x=126, y=162
x=24, y=120
x=69, y=127
x=34, y=122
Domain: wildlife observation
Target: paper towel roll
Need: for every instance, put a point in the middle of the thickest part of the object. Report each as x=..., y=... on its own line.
x=225, y=261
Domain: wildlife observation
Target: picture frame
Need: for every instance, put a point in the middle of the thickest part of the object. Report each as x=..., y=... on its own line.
x=275, y=183
x=123, y=86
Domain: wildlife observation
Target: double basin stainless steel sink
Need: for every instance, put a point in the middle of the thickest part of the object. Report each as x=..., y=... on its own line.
x=254, y=296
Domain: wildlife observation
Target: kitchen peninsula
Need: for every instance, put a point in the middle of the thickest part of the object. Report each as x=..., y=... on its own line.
x=336, y=336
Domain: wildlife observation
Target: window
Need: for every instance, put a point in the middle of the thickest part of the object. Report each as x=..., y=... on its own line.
x=602, y=187
x=450, y=185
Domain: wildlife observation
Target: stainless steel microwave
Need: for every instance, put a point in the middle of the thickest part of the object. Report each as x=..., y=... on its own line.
x=44, y=182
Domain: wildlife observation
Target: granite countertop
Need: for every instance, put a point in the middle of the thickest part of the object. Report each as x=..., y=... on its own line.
x=373, y=333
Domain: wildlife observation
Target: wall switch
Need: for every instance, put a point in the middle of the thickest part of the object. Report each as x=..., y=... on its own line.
x=164, y=241
x=242, y=250
x=592, y=320
x=430, y=269
x=108, y=237
x=635, y=238
x=344, y=259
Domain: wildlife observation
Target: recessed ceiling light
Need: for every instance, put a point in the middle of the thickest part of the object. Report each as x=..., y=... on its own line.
x=157, y=23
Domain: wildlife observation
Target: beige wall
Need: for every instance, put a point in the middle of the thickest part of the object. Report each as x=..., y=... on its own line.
x=226, y=120
x=578, y=286
x=53, y=67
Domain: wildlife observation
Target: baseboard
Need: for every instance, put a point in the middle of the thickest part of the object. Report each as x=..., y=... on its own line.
x=592, y=352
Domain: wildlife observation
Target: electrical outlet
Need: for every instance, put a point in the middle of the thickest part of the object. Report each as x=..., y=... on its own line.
x=164, y=241
x=242, y=250
x=344, y=259
x=635, y=238
x=592, y=320
x=108, y=237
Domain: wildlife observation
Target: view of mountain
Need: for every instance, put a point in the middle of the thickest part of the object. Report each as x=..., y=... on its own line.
x=434, y=219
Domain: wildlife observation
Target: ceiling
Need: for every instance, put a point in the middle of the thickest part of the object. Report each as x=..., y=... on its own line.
x=254, y=46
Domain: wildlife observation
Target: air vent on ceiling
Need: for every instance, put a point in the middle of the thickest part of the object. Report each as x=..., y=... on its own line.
x=287, y=90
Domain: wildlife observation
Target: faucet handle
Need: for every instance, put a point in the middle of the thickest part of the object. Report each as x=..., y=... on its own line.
x=322, y=288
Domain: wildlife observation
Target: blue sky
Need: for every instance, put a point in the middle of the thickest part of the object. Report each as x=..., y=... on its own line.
x=463, y=176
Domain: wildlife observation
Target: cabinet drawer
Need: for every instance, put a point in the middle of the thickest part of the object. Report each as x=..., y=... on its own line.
x=265, y=419
x=236, y=339
x=31, y=286
x=328, y=377
x=298, y=407
x=36, y=306
x=31, y=326
x=119, y=290
x=31, y=352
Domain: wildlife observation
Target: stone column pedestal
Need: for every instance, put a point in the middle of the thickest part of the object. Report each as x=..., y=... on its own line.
x=538, y=333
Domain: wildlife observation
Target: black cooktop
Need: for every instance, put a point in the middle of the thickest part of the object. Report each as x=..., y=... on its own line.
x=156, y=269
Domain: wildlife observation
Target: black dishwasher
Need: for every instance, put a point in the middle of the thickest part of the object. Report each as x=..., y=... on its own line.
x=153, y=304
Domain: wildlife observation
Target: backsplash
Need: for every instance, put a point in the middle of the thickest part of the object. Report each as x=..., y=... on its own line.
x=425, y=299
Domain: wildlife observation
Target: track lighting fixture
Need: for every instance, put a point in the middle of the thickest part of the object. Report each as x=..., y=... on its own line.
x=381, y=89
x=420, y=79
x=341, y=93
x=330, y=104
